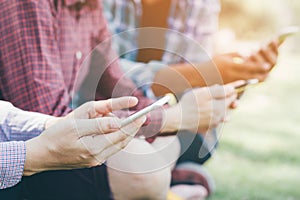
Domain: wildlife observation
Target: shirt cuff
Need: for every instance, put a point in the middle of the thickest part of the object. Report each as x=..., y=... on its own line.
x=12, y=161
x=7, y=107
x=24, y=125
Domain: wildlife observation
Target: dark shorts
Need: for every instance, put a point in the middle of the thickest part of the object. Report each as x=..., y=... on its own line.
x=81, y=184
x=193, y=148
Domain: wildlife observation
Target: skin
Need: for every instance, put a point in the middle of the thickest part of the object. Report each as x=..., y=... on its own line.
x=83, y=133
x=84, y=138
x=201, y=109
x=91, y=136
x=146, y=165
x=183, y=76
x=221, y=69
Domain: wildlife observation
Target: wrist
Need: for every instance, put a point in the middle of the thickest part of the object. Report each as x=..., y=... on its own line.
x=171, y=119
x=51, y=121
x=36, y=153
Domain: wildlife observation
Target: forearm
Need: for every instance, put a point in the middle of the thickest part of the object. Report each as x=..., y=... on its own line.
x=12, y=157
x=36, y=153
x=179, y=77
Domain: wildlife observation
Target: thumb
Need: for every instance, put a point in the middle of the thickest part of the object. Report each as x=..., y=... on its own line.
x=93, y=109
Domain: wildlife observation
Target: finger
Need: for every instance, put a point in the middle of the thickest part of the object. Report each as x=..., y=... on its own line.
x=234, y=54
x=94, y=109
x=109, y=115
x=260, y=76
x=102, y=125
x=102, y=142
x=120, y=135
x=269, y=56
x=100, y=147
x=236, y=84
x=132, y=128
x=221, y=107
x=220, y=92
x=256, y=64
x=230, y=100
x=257, y=57
x=111, y=150
x=274, y=45
x=110, y=105
x=242, y=75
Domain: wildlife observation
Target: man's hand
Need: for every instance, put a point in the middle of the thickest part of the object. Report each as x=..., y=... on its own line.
x=84, y=138
x=234, y=67
x=201, y=109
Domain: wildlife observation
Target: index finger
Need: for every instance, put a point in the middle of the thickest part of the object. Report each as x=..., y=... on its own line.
x=221, y=91
x=107, y=106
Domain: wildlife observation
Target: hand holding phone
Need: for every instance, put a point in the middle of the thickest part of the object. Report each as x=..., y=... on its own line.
x=159, y=103
x=247, y=84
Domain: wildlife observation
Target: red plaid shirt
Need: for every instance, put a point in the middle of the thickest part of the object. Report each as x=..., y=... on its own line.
x=42, y=47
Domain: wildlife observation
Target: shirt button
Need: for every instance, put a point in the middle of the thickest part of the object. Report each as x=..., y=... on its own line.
x=78, y=55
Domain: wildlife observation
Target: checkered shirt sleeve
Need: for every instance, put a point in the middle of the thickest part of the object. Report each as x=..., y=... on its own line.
x=12, y=160
x=16, y=126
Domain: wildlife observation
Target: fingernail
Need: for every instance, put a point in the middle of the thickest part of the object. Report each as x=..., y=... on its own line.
x=133, y=100
x=143, y=119
x=266, y=66
x=236, y=103
x=115, y=124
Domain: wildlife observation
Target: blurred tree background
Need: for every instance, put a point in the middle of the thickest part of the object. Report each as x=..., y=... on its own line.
x=258, y=156
x=255, y=18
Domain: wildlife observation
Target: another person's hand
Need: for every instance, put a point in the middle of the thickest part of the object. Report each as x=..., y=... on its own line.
x=202, y=108
x=81, y=139
x=266, y=55
x=236, y=67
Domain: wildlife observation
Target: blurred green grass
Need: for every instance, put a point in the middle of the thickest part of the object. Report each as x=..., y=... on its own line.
x=258, y=157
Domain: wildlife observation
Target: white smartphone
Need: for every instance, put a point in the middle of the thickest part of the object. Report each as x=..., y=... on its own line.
x=159, y=103
x=248, y=83
x=287, y=32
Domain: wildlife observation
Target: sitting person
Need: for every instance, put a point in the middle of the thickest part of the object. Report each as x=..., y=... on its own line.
x=79, y=140
x=167, y=46
x=43, y=67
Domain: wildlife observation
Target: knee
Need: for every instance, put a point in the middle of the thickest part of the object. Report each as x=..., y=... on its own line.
x=139, y=157
x=130, y=176
x=130, y=186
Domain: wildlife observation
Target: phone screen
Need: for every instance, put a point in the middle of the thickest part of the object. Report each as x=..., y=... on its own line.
x=158, y=104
